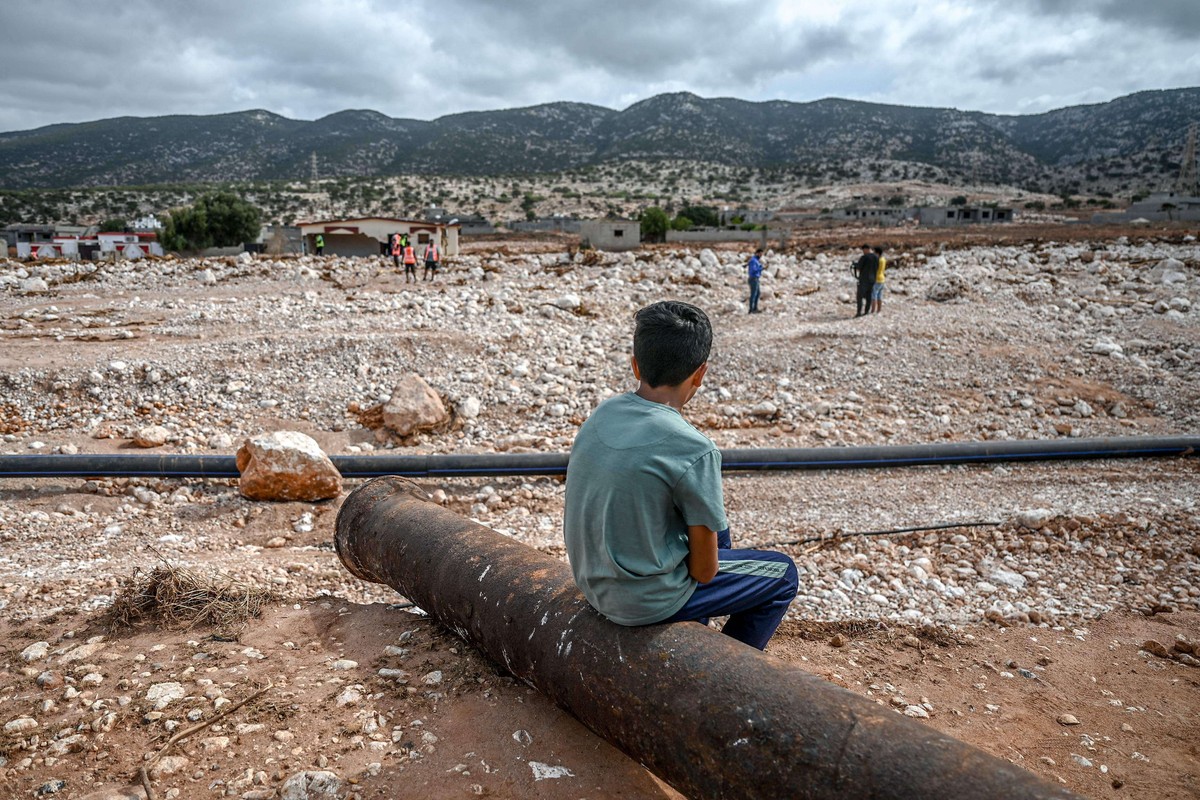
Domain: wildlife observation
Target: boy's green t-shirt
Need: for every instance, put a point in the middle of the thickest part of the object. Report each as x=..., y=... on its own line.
x=639, y=475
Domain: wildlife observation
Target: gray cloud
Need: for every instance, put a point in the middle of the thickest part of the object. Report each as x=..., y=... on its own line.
x=71, y=60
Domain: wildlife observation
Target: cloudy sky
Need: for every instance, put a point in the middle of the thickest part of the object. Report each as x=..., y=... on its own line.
x=79, y=60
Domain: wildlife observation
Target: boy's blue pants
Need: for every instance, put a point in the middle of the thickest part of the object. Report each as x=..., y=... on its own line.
x=752, y=587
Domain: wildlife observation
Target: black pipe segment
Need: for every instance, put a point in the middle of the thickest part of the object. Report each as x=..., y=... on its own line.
x=707, y=714
x=502, y=464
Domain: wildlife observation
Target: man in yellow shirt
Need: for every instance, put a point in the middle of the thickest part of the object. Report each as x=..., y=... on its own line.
x=877, y=289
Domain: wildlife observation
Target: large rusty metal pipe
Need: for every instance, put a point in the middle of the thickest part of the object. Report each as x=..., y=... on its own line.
x=710, y=716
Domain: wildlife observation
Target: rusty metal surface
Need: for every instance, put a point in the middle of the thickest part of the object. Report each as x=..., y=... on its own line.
x=708, y=715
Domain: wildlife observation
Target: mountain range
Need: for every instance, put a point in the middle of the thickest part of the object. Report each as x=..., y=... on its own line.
x=1134, y=139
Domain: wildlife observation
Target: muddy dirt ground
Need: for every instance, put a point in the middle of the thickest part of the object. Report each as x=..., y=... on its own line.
x=1063, y=644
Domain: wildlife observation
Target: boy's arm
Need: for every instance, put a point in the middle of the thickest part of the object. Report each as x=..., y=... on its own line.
x=702, y=553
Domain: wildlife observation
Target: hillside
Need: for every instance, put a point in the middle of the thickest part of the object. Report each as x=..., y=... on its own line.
x=1130, y=142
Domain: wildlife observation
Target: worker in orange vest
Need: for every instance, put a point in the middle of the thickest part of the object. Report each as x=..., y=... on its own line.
x=432, y=257
x=397, y=250
x=410, y=263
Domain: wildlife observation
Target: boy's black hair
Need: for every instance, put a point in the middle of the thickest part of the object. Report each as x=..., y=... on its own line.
x=879, y=250
x=670, y=342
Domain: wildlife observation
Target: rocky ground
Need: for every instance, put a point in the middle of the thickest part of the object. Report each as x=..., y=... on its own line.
x=1000, y=633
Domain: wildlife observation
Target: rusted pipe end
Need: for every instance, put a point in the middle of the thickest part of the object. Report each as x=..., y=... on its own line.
x=364, y=501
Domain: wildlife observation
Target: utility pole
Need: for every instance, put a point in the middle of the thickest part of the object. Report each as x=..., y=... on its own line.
x=1188, y=185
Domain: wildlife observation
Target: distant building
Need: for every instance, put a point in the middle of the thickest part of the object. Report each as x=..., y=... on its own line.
x=611, y=234
x=887, y=215
x=146, y=223
x=368, y=236
x=554, y=224
x=962, y=215
x=753, y=216
x=474, y=225
x=1158, y=207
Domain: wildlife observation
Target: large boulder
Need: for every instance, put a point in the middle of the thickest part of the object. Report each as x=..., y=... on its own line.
x=286, y=465
x=414, y=406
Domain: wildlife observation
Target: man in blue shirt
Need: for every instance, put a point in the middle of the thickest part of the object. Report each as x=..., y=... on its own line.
x=754, y=270
x=644, y=522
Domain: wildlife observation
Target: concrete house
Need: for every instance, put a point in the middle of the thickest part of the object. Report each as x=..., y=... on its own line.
x=962, y=215
x=1158, y=207
x=611, y=234
x=368, y=236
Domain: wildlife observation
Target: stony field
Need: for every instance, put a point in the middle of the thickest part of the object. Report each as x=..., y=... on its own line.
x=993, y=633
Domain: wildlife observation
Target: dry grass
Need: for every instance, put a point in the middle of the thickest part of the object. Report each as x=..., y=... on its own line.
x=179, y=599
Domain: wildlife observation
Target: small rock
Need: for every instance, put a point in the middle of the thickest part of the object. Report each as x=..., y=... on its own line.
x=20, y=725
x=433, y=678
x=151, y=436
x=163, y=694
x=1034, y=518
x=343, y=664
x=838, y=640
x=312, y=786
x=169, y=765
x=916, y=711
x=1067, y=719
x=35, y=651
x=1156, y=648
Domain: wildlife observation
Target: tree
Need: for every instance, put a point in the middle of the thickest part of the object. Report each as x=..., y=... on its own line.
x=703, y=216
x=218, y=219
x=960, y=200
x=681, y=223
x=654, y=224
x=114, y=225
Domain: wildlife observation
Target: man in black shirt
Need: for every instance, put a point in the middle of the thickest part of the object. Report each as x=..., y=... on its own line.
x=864, y=269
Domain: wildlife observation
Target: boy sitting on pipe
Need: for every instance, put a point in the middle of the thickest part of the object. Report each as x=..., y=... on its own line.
x=645, y=525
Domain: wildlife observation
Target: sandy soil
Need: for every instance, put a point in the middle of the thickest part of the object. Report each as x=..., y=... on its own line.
x=442, y=721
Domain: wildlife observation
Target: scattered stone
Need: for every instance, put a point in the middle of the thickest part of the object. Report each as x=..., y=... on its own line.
x=163, y=694
x=414, y=406
x=312, y=786
x=151, y=436
x=947, y=288
x=838, y=640
x=20, y=725
x=35, y=652
x=1156, y=648
x=169, y=765
x=286, y=465
x=1067, y=719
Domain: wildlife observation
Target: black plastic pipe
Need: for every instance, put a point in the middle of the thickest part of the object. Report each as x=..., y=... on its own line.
x=503, y=464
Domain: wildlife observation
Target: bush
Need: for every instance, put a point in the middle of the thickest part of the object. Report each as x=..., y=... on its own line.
x=654, y=224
